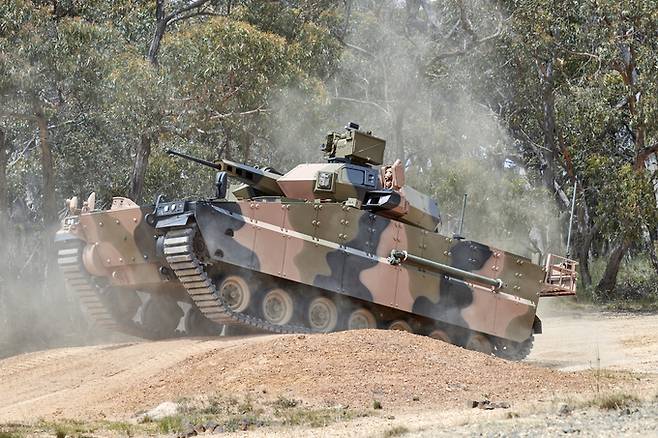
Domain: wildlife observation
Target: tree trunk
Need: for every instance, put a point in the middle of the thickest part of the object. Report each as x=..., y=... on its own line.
x=154, y=47
x=548, y=124
x=582, y=240
x=651, y=246
x=607, y=284
x=160, y=28
x=4, y=199
x=582, y=245
x=47, y=167
x=139, y=168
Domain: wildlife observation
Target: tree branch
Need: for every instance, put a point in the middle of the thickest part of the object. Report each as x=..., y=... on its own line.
x=243, y=113
x=465, y=22
x=193, y=5
x=355, y=48
x=16, y=115
x=643, y=154
x=474, y=43
x=367, y=102
x=194, y=14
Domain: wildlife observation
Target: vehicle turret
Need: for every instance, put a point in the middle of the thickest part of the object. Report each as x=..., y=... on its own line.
x=351, y=175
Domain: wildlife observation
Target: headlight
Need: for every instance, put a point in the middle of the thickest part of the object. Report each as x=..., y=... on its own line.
x=71, y=220
x=171, y=208
x=325, y=181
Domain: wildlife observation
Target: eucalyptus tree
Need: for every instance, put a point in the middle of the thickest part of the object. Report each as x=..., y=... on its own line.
x=590, y=115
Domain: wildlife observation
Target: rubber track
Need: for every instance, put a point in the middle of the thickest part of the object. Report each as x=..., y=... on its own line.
x=69, y=259
x=78, y=280
x=178, y=249
x=515, y=351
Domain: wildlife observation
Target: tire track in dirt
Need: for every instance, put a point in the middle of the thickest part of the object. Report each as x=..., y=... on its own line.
x=90, y=379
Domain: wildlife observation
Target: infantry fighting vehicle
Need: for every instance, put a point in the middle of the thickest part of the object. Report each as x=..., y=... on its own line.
x=344, y=244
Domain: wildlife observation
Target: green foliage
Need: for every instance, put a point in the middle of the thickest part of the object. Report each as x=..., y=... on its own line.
x=502, y=209
x=285, y=403
x=171, y=424
x=637, y=286
x=66, y=427
x=625, y=198
x=312, y=417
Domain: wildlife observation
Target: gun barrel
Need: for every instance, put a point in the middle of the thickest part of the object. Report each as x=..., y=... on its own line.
x=261, y=180
x=398, y=257
x=196, y=160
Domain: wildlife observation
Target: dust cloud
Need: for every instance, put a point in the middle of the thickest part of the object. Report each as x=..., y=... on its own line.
x=450, y=140
x=36, y=310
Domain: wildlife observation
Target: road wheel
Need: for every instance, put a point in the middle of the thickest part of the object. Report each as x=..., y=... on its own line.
x=441, y=335
x=277, y=307
x=511, y=350
x=480, y=342
x=236, y=293
x=400, y=325
x=322, y=315
x=361, y=319
x=194, y=323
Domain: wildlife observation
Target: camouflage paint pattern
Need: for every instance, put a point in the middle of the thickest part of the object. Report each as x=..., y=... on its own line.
x=344, y=250
x=121, y=246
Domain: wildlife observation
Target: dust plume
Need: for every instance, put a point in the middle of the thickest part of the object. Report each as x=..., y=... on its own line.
x=36, y=310
x=436, y=119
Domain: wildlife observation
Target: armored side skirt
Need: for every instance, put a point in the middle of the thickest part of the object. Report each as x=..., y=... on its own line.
x=344, y=250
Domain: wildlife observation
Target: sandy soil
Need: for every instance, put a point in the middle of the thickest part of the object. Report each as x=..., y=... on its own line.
x=583, y=340
x=411, y=375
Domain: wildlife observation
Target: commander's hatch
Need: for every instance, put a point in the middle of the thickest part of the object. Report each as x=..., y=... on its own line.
x=561, y=277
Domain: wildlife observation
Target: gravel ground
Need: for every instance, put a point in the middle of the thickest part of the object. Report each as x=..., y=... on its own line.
x=638, y=421
x=356, y=367
x=352, y=369
x=423, y=384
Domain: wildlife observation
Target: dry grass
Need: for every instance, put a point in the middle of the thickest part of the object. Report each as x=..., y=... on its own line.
x=614, y=401
x=395, y=431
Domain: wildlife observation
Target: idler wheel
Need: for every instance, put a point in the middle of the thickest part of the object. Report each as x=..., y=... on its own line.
x=159, y=315
x=236, y=293
x=441, y=335
x=361, y=319
x=194, y=323
x=401, y=325
x=480, y=342
x=278, y=307
x=322, y=314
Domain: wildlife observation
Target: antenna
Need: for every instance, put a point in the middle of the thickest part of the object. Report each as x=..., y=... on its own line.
x=459, y=235
x=573, y=207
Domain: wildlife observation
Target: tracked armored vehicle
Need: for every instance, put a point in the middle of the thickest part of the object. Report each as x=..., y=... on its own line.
x=339, y=245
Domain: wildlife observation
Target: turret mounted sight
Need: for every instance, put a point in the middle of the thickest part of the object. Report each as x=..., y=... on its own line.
x=354, y=146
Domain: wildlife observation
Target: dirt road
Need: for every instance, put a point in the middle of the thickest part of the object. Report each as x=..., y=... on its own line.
x=349, y=368
x=583, y=340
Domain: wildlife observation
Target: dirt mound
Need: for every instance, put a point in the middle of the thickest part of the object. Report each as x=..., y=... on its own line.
x=354, y=368
x=348, y=368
